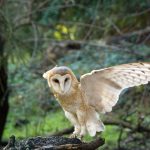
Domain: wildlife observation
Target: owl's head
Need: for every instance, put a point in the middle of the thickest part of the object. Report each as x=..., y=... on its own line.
x=60, y=79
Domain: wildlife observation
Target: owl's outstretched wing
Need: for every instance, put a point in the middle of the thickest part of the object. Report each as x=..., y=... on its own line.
x=103, y=87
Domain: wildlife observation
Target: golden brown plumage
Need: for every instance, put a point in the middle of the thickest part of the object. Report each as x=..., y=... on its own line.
x=97, y=92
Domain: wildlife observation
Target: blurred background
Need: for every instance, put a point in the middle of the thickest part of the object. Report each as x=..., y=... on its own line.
x=84, y=35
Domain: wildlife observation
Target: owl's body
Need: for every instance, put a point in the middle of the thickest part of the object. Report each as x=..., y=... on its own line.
x=77, y=110
x=97, y=92
x=71, y=101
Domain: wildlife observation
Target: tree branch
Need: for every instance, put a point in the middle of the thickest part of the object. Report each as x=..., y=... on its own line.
x=84, y=146
x=108, y=122
x=63, y=132
x=53, y=142
x=127, y=36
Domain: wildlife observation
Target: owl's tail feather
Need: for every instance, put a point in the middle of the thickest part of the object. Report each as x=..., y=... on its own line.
x=94, y=124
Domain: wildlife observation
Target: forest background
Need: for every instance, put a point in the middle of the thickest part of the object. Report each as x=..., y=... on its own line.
x=84, y=35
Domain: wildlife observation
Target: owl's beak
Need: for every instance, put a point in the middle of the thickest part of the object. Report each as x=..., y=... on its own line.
x=62, y=88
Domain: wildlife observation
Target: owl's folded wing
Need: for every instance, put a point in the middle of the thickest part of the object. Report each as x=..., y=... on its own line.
x=103, y=87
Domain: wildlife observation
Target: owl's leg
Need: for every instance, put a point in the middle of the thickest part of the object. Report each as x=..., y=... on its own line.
x=81, y=115
x=73, y=119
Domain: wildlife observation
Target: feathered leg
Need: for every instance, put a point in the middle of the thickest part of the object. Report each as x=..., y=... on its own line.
x=81, y=115
x=73, y=119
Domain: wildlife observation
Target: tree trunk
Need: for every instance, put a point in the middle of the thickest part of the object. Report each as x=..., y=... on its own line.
x=3, y=88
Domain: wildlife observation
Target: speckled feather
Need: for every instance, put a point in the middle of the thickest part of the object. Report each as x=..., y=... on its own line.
x=109, y=83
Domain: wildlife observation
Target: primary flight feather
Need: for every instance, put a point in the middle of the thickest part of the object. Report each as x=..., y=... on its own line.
x=97, y=92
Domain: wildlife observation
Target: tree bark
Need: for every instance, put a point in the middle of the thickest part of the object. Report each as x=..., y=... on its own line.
x=53, y=143
x=4, y=107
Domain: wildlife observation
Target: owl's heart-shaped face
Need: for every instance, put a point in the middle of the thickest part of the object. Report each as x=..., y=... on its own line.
x=60, y=79
x=60, y=83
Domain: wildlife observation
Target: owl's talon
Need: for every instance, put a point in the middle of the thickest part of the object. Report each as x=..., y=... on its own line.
x=73, y=135
x=80, y=137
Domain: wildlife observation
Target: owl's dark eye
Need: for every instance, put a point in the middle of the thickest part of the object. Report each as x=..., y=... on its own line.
x=56, y=80
x=66, y=79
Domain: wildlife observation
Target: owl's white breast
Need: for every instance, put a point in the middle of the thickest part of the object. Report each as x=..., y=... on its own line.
x=71, y=102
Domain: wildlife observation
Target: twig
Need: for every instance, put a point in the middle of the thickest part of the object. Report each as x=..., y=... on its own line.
x=146, y=39
x=139, y=13
x=83, y=24
x=126, y=36
x=90, y=43
x=115, y=26
x=35, y=48
x=119, y=123
x=11, y=143
x=63, y=132
x=93, y=22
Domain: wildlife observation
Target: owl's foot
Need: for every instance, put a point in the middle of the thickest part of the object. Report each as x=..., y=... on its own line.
x=80, y=137
x=73, y=135
x=76, y=132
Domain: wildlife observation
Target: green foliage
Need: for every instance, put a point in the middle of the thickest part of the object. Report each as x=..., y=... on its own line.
x=92, y=57
x=38, y=125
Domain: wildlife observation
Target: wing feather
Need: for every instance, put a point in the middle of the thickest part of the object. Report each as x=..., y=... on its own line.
x=103, y=87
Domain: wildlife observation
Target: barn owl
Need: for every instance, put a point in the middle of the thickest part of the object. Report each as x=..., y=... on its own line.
x=96, y=92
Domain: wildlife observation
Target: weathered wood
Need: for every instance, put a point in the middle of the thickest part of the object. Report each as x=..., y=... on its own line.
x=53, y=143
